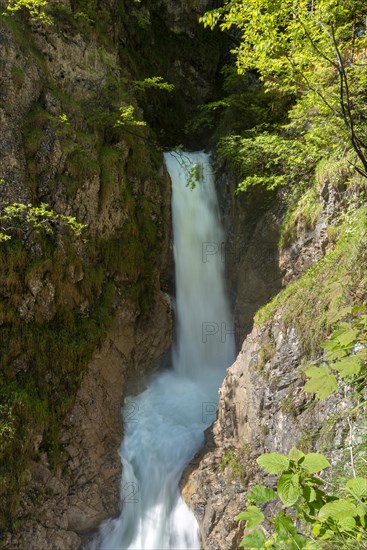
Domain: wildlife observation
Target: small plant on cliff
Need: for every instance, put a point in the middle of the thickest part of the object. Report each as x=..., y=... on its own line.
x=126, y=117
x=22, y=220
x=35, y=8
x=346, y=353
x=156, y=82
x=318, y=518
x=233, y=458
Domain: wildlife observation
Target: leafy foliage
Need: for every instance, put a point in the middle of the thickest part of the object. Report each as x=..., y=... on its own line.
x=267, y=158
x=245, y=105
x=196, y=175
x=194, y=172
x=346, y=353
x=126, y=117
x=321, y=516
x=24, y=219
x=157, y=82
x=260, y=494
x=337, y=280
x=35, y=8
x=314, y=52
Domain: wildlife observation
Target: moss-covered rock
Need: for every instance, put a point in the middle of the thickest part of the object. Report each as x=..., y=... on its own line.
x=63, y=300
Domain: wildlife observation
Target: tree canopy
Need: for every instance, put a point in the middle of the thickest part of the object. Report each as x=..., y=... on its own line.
x=313, y=49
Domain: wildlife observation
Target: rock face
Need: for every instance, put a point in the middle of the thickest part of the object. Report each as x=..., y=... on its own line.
x=168, y=41
x=58, y=505
x=85, y=491
x=262, y=409
x=61, y=88
x=262, y=405
x=257, y=273
x=257, y=267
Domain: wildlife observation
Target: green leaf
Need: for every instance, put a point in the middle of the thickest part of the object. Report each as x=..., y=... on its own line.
x=348, y=366
x=295, y=454
x=288, y=488
x=298, y=541
x=358, y=309
x=348, y=335
x=331, y=345
x=358, y=487
x=283, y=524
x=315, y=462
x=339, y=315
x=273, y=463
x=314, y=481
x=261, y=494
x=335, y=354
x=126, y=117
x=309, y=494
x=362, y=353
x=252, y=515
x=255, y=539
x=153, y=82
x=346, y=523
x=312, y=545
x=317, y=528
x=338, y=509
x=362, y=519
x=361, y=510
x=321, y=382
x=362, y=513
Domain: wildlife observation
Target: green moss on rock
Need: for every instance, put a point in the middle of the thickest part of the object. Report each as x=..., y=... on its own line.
x=337, y=280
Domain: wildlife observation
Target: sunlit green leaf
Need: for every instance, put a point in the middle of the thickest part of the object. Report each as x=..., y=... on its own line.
x=288, y=488
x=283, y=523
x=358, y=487
x=255, y=539
x=252, y=515
x=261, y=494
x=295, y=454
x=338, y=509
x=320, y=382
x=315, y=462
x=273, y=463
x=348, y=366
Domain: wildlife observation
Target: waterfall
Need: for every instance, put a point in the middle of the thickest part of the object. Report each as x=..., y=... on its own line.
x=164, y=425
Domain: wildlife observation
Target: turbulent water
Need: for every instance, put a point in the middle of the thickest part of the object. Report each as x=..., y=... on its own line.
x=164, y=425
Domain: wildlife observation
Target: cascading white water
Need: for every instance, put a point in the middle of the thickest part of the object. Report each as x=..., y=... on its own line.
x=164, y=425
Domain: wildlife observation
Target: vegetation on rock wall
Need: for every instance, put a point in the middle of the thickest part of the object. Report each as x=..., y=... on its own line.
x=63, y=275
x=300, y=130
x=324, y=519
x=319, y=510
x=298, y=100
x=336, y=281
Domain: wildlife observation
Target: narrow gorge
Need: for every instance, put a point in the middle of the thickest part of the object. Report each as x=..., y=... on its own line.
x=183, y=334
